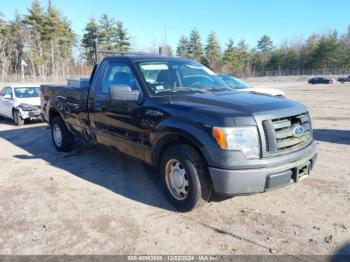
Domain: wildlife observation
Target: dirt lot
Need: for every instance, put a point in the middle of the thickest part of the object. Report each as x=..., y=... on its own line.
x=95, y=201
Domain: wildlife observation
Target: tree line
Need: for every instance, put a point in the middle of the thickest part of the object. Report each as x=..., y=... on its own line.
x=38, y=43
x=41, y=43
x=319, y=51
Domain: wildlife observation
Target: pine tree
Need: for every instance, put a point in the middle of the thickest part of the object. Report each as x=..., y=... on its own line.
x=183, y=47
x=89, y=38
x=265, y=44
x=122, y=38
x=308, y=50
x=195, y=45
x=5, y=48
x=265, y=47
x=213, y=52
x=328, y=51
x=36, y=17
x=107, y=29
x=231, y=59
x=17, y=43
x=34, y=22
x=243, y=54
x=3, y=25
x=346, y=48
x=58, y=39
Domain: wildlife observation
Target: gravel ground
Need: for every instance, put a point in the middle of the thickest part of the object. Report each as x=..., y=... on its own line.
x=96, y=201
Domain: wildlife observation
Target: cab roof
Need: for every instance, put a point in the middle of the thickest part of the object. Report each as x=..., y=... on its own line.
x=140, y=58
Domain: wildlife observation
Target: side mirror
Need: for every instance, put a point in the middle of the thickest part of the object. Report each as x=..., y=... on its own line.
x=8, y=97
x=123, y=93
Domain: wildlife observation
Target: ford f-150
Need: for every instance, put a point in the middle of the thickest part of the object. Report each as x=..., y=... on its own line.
x=178, y=115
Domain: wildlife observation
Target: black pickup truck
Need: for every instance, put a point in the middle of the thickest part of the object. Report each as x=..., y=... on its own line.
x=178, y=115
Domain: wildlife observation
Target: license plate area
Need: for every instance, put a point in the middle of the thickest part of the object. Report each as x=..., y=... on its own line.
x=302, y=172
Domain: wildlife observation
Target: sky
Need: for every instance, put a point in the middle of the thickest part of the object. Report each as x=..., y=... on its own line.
x=151, y=22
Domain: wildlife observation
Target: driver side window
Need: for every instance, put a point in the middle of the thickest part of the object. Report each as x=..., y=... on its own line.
x=119, y=74
x=6, y=91
x=9, y=92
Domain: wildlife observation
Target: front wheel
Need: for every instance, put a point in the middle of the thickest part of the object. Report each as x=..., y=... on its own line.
x=184, y=178
x=61, y=137
x=17, y=119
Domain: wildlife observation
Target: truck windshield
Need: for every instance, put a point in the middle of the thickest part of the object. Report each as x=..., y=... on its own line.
x=235, y=82
x=27, y=92
x=180, y=76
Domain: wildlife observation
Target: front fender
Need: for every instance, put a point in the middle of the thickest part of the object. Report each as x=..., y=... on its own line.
x=171, y=129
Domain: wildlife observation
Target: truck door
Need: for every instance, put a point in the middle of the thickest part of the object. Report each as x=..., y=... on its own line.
x=116, y=123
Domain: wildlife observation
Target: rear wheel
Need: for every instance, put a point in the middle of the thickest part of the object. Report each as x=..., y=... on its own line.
x=17, y=119
x=184, y=178
x=61, y=137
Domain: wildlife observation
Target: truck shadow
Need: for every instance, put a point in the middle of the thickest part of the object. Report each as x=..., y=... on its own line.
x=99, y=165
x=332, y=136
x=342, y=254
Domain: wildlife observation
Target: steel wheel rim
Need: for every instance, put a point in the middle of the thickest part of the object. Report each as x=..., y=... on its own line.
x=176, y=179
x=57, y=135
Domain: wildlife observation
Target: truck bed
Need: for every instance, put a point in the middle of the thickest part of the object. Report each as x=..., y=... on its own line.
x=71, y=102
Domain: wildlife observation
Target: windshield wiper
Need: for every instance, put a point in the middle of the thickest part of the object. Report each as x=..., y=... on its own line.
x=217, y=88
x=182, y=90
x=199, y=90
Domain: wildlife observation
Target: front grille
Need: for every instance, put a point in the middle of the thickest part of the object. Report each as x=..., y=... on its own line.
x=280, y=134
x=266, y=135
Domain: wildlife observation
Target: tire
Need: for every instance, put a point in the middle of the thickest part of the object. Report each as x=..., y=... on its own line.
x=17, y=119
x=182, y=165
x=62, y=139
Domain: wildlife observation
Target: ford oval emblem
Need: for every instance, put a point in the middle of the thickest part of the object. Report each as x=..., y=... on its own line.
x=298, y=131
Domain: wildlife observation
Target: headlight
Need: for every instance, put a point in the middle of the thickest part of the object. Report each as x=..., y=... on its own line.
x=244, y=139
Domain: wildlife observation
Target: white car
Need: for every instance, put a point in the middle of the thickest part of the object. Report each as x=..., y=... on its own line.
x=20, y=102
x=240, y=86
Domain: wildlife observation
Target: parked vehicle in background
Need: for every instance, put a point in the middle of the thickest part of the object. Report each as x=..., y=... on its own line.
x=241, y=86
x=343, y=79
x=20, y=103
x=178, y=115
x=320, y=80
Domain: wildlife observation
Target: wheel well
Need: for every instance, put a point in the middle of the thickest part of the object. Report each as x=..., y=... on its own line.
x=178, y=140
x=52, y=114
x=14, y=109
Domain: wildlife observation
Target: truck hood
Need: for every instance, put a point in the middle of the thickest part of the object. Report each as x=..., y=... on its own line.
x=234, y=103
